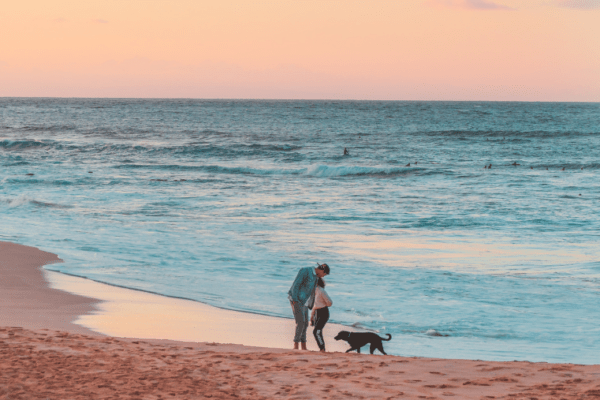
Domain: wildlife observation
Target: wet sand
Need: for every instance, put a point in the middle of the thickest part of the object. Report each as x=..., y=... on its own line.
x=135, y=314
x=44, y=354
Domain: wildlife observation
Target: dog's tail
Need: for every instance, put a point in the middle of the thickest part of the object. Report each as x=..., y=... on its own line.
x=389, y=337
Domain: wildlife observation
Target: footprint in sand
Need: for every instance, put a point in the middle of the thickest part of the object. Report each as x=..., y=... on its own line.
x=571, y=381
x=476, y=383
x=504, y=379
x=443, y=386
x=491, y=369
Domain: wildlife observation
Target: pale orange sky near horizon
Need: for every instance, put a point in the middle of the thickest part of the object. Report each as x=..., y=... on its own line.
x=515, y=50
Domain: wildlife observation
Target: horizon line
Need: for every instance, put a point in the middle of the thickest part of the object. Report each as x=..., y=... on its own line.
x=291, y=100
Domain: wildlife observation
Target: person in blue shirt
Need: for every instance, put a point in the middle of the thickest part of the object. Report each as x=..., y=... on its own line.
x=302, y=297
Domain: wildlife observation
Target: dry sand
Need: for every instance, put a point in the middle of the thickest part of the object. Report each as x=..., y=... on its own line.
x=45, y=356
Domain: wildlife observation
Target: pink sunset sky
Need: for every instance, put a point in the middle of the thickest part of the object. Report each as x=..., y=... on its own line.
x=523, y=50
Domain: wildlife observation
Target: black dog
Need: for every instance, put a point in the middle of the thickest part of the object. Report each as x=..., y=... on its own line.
x=356, y=340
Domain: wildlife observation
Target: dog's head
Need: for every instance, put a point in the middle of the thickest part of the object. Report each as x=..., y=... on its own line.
x=342, y=335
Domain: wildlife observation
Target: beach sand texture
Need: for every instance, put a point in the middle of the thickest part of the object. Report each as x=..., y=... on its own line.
x=59, y=365
x=43, y=355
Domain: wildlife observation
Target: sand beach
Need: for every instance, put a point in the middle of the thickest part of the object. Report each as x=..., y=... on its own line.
x=63, y=337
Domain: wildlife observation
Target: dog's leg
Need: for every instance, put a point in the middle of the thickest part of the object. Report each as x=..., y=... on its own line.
x=373, y=347
x=380, y=348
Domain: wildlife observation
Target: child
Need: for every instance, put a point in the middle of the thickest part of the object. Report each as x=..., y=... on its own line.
x=320, y=312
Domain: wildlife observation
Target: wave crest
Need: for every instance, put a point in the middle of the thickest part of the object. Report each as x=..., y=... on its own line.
x=24, y=144
x=325, y=171
x=25, y=200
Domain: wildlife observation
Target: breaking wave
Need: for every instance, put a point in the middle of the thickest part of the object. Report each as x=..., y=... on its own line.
x=24, y=200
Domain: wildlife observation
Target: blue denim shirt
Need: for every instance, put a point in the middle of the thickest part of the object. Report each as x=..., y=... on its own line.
x=304, y=286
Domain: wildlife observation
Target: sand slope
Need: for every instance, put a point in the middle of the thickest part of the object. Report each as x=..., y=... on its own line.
x=25, y=298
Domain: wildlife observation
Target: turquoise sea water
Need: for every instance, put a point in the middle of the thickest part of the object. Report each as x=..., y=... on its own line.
x=223, y=201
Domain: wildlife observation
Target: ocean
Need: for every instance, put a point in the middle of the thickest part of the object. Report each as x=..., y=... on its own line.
x=222, y=201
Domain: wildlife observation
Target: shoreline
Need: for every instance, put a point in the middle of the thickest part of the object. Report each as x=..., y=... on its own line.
x=60, y=344
x=86, y=306
x=129, y=313
x=153, y=293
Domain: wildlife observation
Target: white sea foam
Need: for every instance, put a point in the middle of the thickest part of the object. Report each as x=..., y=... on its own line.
x=332, y=171
x=17, y=201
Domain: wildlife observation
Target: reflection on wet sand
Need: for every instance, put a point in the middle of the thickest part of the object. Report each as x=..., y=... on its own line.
x=136, y=314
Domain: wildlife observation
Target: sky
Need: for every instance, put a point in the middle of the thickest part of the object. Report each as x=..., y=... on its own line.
x=490, y=50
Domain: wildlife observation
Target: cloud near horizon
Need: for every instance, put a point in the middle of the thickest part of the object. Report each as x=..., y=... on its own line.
x=469, y=4
x=580, y=4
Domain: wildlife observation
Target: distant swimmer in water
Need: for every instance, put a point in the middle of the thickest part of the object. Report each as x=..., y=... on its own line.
x=563, y=169
x=490, y=166
x=515, y=164
x=346, y=152
x=407, y=165
x=416, y=162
